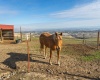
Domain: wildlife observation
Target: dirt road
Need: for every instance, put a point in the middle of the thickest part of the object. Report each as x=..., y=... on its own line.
x=13, y=65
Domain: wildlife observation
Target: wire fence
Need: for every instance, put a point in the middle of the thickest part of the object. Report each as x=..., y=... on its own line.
x=89, y=38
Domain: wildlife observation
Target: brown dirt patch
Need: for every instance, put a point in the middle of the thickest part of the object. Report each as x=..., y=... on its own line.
x=13, y=61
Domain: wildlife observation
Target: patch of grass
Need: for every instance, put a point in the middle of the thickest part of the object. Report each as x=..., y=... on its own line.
x=34, y=44
x=91, y=39
x=95, y=56
x=72, y=41
x=75, y=51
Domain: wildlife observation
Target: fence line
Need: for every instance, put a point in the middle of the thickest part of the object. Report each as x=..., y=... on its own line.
x=89, y=38
x=95, y=43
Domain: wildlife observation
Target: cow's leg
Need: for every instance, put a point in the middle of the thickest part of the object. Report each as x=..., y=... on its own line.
x=58, y=62
x=45, y=54
x=50, y=57
x=41, y=47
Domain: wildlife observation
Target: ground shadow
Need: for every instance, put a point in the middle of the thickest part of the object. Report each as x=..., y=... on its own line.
x=37, y=56
x=83, y=76
x=15, y=57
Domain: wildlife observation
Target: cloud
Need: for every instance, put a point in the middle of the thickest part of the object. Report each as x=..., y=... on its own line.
x=90, y=11
x=58, y=25
x=6, y=10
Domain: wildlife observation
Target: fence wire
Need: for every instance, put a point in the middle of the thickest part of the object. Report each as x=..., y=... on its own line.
x=89, y=38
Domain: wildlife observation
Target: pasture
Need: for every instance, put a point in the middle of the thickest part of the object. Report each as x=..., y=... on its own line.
x=78, y=62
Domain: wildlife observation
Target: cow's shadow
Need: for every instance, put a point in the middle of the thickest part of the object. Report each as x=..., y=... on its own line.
x=82, y=76
x=16, y=57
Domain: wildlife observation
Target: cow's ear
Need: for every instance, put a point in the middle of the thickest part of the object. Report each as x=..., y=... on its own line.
x=56, y=33
x=61, y=34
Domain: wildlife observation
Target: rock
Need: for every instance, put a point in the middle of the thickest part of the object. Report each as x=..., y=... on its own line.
x=50, y=71
x=88, y=72
x=4, y=75
x=76, y=78
x=99, y=77
x=61, y=73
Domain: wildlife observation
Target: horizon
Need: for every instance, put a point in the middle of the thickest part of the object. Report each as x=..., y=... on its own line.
x=50, y=14
x=58, y=29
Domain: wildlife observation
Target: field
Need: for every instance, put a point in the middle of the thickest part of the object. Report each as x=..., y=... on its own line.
x=78, y=62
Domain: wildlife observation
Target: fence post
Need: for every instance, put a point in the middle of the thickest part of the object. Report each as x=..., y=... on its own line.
x=83, y=38
x=20, y=34
x=1, y=34
x=98, y=40
x=30, y=37
x=28, y=54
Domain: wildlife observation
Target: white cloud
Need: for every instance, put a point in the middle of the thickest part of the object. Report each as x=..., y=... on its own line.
x=80, y=16
x=91, y=10
x=6, y=10
x=57, y=25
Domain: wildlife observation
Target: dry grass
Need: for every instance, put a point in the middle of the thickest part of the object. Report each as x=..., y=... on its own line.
x=72, y=68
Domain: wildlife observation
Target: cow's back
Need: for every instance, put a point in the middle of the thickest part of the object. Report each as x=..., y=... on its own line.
x=45, y=39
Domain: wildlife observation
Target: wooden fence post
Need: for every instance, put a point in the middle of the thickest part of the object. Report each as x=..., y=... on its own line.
x=30, y=37
x=83, y=38
x=20, y=34
x=1, y=34
x=98, y=40
x=28, y=54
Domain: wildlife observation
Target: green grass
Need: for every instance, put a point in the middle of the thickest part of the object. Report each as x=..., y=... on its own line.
x=91, y=39
x=68, y=50
x=35, y=44
x=72, y=41
x=94, y=56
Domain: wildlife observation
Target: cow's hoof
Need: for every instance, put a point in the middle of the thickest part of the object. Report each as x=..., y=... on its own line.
x=58, y=63
x=50, y=63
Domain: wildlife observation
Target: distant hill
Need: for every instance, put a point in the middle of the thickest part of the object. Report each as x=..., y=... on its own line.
x=60, y=30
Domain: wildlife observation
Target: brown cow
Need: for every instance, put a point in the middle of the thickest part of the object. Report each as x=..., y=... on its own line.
x=52, y=41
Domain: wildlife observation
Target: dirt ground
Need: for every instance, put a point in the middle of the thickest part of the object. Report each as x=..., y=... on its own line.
x=13, y=64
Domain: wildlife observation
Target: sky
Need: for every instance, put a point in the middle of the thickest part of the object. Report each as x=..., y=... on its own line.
x=50, y=14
